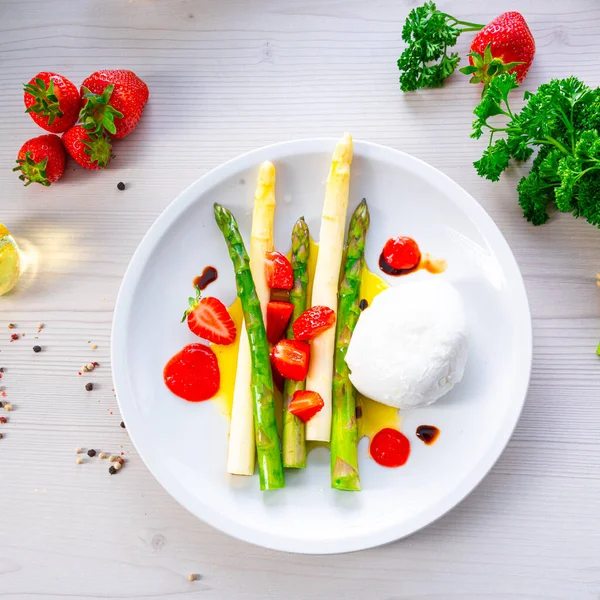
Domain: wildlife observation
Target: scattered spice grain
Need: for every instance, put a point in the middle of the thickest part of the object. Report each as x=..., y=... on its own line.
x=37, y=349
x=89, y=386
x=91, y=453
x=112, y=470
x=102, y=455
x=79, y=460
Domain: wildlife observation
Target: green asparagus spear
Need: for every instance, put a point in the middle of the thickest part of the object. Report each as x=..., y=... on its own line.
x=344, y=430
x=268, y=450
x=294, y=430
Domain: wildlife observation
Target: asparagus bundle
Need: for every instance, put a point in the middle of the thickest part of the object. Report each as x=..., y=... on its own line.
x=325, y=285
x=344, y=430
x=270, y=466
x=294, y=430
x=240, y=459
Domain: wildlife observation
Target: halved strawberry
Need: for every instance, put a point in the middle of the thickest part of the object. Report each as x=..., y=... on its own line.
x=209, y=319
x=312, y=322
x=291, y=358
x=279, y=271
x=278, y=316
x=305, y=404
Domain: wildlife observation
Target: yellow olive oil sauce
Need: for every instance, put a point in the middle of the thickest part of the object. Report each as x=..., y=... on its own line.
x=10, y=262
x=372, y=416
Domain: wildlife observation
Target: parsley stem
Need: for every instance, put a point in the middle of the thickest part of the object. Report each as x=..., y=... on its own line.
x=580, y=175
x=549, y=140
x=455, y=21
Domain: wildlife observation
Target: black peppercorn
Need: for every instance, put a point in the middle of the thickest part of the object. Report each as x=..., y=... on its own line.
x=112, y=470
x=91, y=453
x=120, y=186
x=363, y=304
x=123, y=424
x=89, y=387
x=37, y=348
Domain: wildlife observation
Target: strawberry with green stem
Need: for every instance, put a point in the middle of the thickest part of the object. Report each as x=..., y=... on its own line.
x=90, y=150
x=113, y=100
x=505, y=45
x=52, y=101
x=41, y=160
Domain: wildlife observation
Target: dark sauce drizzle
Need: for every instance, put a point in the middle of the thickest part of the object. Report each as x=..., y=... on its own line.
x=209, y=275
x=389, y=270
x=428, y=434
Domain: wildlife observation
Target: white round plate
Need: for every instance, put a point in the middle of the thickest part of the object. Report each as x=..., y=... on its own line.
x=185, y=444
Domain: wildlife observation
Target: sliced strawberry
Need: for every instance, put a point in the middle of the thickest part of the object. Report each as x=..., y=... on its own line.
x=278, y=380
x=279, y=271
x=305, y=404
x=278, y=316
x=209, y=319
x=313, y=322
x=290, y=358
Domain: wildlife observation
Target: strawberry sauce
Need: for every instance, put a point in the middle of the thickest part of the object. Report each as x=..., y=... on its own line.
x=390, y=448
x=193, y=373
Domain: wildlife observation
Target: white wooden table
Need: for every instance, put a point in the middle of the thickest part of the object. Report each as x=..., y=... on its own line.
x=226, y=77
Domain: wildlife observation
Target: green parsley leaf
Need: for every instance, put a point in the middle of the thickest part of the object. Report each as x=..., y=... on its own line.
x=561, y=121
x=429, y=33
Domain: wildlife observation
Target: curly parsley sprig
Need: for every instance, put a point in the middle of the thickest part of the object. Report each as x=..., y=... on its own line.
x=562, y=122
x=428, y=33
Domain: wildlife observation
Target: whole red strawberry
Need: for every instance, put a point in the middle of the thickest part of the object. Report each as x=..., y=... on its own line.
x=113, y=100
x=52, y=101
x=41, y=160
x=505, y=45
x=91, y=150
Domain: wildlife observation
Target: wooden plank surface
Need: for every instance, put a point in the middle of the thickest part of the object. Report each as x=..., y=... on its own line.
x=227, y=76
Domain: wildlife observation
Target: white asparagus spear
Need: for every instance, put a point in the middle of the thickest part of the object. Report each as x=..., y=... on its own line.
x=241, y=433
x=325, y=284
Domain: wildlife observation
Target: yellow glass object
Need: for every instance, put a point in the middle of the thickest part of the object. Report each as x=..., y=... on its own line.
x=10, y=261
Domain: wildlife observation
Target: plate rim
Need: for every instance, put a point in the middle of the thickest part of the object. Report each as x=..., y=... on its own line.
x=193, y=193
